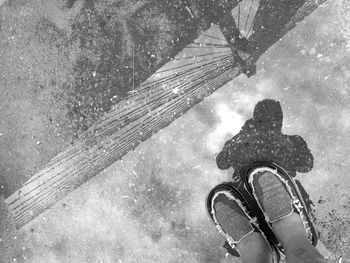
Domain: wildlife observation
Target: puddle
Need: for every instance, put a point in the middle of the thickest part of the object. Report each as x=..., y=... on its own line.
x=150, y=207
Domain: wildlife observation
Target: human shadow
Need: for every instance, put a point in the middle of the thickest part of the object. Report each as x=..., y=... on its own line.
x=261, y=140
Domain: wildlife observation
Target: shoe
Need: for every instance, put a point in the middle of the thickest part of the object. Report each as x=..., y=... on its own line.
x=278, y=196
x=233, y=217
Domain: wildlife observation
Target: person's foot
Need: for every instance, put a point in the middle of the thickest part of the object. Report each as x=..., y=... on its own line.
x=272, y=195
x=279, y=202
x=233, y=221
x=231, y=217
x=278, y=195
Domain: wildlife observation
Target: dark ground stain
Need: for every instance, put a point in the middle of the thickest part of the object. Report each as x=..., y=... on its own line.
x=270, y=19
x=100, y=72
x=4, y=189
x=156, y=236
x=47, y=32
x=117, y=53
x=69, y=3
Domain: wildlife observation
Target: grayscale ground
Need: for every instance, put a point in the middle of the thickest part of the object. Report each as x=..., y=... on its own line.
x=150, y=206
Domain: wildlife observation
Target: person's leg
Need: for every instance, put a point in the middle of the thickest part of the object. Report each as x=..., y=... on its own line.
x=252, y=246
x=291, y=233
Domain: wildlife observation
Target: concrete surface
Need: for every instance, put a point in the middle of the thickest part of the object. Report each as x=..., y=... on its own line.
x=150, y=207
x=64, y=63
x=7, y=232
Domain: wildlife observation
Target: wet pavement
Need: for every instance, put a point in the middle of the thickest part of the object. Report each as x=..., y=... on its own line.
x=150, y=207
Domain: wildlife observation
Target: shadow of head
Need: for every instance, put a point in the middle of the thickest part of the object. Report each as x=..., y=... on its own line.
x=269, y=112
